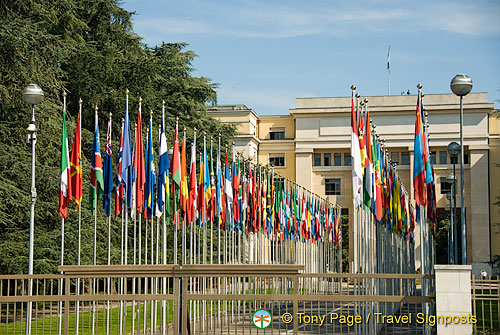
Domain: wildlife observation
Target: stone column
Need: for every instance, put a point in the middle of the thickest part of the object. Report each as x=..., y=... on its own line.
x=478, y=219
x=453, y=298
x=303, y=168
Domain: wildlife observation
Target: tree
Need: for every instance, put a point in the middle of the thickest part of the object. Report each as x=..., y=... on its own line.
x=89, y=49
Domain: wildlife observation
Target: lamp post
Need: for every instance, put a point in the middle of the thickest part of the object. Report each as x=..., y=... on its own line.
x=461, y=85
x=448, y=208
x=32, y=95
x=453, y=150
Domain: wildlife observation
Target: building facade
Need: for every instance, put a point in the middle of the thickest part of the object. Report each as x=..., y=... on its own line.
x=311, y=146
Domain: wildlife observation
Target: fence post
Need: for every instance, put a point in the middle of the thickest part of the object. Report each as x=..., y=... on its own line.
x=184, y=305
x=66, y=305
x=453, y=297
x=295, y=296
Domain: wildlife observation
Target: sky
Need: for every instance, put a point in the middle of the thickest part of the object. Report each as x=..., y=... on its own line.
x=266, y=53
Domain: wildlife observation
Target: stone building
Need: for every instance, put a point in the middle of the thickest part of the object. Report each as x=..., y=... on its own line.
x=311, y=146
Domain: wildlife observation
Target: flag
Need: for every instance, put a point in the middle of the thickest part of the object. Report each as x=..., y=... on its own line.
x=176, y=160
x=357, y=171
x=132, y=181
x=202, y=210
x=163, y=167
x=236, y=211
x=228, y=192
x=76, y=165
x=139, y=174
x=369, y=169
x=206, y=176
x=184, y=181
x=108, y=173
x=213, y=205
x=127, y=155
x=378, y=181
x=418, y=161
x=150, y=173
x=119, y=178
x=389, y=59
x=429, y=172
x=191, y=205
x=176, y=175
x=218, y=168
x=96, y=177
x=65, y=185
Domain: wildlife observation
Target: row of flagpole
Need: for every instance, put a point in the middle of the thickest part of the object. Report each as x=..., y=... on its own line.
x=384, y=218
x=239, y=201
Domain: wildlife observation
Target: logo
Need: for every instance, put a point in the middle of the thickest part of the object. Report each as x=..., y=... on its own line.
x=262, y=319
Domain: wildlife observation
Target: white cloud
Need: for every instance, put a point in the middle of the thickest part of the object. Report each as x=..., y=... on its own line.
x=268, y=20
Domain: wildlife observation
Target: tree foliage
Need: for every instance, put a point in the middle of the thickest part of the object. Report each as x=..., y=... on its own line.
x=87, y=48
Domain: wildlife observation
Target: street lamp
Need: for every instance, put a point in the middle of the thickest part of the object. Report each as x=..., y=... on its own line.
x=453, y=151
x=448, y=208
x=32, y=95
x=461, y=85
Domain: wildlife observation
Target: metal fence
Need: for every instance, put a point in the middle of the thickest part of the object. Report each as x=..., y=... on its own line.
x=214, y=299
x=485, y=303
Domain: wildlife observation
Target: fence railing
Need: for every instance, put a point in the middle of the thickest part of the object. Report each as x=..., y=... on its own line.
x=486, y=303
x=211, y=299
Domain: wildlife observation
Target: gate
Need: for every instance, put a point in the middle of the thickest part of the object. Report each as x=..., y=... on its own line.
x=215, y=299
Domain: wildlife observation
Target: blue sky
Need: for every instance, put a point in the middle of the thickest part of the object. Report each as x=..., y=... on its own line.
x=264, y=54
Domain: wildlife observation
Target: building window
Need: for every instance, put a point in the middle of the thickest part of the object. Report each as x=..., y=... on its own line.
x=443, y=157
x=433, y=157
x=445, y=186
x=405, y=158
x=327, y=159
x=277, y=133
x=395, y=157
x=317, y=160
x=277, y=159
x=466, y=157
x=337, y=159
x=347, y=159
x=332, y=186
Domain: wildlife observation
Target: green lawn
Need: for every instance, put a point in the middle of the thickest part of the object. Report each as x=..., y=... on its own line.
x=48, y=325
x=485, y=317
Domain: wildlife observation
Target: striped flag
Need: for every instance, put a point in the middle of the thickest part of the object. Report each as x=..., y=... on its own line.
x=119, y=178
x=108, y=172
x=96, y=177
x=418, y=161
x=191, y=206
x=65, y=185
x=228, y=192
x=176, y=175
x=184, y=181
x=140, y=174
x=163, y=167
x=150, y=174
x=357, y=170
x=127, y=156
x=76, y=165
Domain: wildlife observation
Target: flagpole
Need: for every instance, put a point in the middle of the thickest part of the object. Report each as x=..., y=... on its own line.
x=164, y=228
x=123, y=312
x=109, y=232
x=77, y=316
x=95, y=233
x=59, y=326
x=176, y=214
x=389, y=71
x=149, y=210
x=185, y=215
